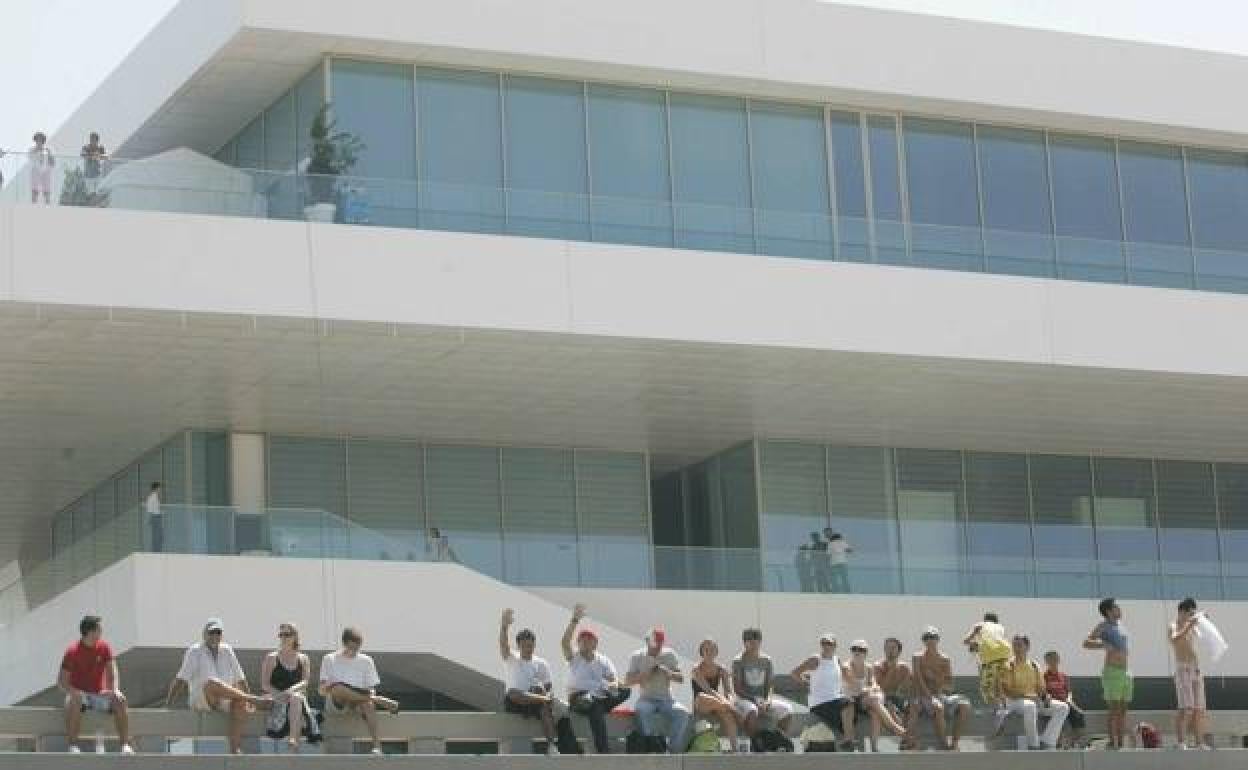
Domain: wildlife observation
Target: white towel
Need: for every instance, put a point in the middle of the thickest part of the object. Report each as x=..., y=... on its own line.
x=1209, y=641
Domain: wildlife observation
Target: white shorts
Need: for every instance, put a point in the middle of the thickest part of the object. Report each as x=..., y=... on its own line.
x=93, y=701
x=200, y=703
x=778, y=708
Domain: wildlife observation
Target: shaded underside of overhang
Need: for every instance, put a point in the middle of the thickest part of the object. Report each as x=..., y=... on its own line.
x=84, y=390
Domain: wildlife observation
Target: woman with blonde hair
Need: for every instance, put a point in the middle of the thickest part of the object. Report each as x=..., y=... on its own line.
x=712, y=691
x=284, y=675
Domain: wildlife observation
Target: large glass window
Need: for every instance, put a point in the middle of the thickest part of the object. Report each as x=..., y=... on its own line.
x=852, y=228
x=374, y=101
x=309, y=96
x=1154, y=202
x=1126, y=521
x=387, y=500
x=1187, y=509
x=1061, y=490
x=630, y=174
x=999, y=529
x=795, y=511
x=942, y=180
x=279, y=134
x=1233, y=509
x=1087, y=209
x=790, y=164
x=539, y=517
x=547, y=177
x=889, y=223
x=931, y=514
x=613, y=503
x=461, y=156
x=711, y=173
x=308, y=473
x=465, y=504
x=1018, y=216
x=862, y=510
x=1219, y=191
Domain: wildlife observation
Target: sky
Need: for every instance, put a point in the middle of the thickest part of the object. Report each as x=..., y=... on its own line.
x=54, y=53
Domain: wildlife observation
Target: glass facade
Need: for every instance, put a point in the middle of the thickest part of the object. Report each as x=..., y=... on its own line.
x=487, y=152
x=528, y=516
x=952, y=523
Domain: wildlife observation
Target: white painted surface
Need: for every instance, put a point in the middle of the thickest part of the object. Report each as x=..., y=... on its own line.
x=792, y=624
x=185, y=182
x=152, y=601
x=163, y=601
x=206, y=264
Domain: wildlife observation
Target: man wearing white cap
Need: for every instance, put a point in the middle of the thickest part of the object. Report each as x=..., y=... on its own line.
x=824, y=676
x=653, y=668
x=215, y=681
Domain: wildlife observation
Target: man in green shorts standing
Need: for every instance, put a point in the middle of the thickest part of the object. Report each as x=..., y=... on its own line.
x=1111, y=636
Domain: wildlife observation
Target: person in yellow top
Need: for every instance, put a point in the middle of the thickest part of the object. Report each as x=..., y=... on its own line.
x=1022, y=686
x=987, y=639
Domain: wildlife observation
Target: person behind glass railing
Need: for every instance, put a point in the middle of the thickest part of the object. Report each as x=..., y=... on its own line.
x=91, y=682
x=438, y=547
x=93, y=156
x=838, y=561
x=214, y=681
x=284, y=675
x=349, y=683
x=155, y=517
x=42, y=161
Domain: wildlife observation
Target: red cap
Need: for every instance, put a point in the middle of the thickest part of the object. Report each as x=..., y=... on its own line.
x=587, y=633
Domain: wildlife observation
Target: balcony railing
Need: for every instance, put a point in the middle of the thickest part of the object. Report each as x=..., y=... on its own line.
x=196, y=185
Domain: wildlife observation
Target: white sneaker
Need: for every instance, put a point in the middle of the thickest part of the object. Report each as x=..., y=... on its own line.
x=127, y=748
x=998, y=720
x=552, y=750
x=376, y=752
x=74, y=749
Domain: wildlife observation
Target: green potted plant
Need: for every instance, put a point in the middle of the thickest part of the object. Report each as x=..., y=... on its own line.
x=76, y=192
x=332, y=154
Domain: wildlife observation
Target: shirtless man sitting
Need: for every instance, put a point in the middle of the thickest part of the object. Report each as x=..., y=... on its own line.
x=933, y=682
x=896, y=681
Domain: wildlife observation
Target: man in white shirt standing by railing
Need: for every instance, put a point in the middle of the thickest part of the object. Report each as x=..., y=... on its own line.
x=215, y=681
x=151, y=507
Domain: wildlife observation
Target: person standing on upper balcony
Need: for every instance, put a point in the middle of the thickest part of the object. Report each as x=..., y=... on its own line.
x=42, y=161
x=93, y=156
x=838, y=561
x=155, y=517
x=91, y=682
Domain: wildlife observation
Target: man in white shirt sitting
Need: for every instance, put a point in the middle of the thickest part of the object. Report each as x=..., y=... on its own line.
x=214, y=681
x=593, y=686
x=527, y=684
x=349, y=682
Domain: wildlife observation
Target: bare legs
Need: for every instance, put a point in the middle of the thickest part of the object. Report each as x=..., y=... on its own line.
x=724, y=713
x=73, y=717
x=364, y=703
x=241, y=704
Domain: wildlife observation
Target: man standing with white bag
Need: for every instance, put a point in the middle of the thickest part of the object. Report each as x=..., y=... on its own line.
x=1193, y=636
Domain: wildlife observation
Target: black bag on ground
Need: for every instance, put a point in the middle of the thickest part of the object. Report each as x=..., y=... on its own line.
x=636, y=743
x=565, y=738
x=770, y=741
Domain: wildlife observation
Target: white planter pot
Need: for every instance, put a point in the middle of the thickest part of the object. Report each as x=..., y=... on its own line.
x=320, y=212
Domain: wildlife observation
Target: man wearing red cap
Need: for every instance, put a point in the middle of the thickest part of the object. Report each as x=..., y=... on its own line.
x=593, y=687
x=653, y=668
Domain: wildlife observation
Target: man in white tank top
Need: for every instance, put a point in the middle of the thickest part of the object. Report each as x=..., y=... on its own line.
x=823, y=674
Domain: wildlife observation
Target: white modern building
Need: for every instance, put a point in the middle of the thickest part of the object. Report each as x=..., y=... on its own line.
x=627, y=305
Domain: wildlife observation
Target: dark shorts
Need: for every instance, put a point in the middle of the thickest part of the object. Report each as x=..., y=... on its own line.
x=1076, y=719
x=860, y=705
x=899, y=702
x=830, y=713
x=526, y=710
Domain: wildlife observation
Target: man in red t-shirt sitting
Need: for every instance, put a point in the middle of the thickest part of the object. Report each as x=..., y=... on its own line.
x=1057, y=684
x=90, y=681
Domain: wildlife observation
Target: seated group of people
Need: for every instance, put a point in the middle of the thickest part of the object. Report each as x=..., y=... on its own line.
x=846, y=695
x=214, y=681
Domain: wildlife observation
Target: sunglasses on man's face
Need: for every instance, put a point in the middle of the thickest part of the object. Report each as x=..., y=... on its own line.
x=215, y=632
x=285, y=634
x=857, y=650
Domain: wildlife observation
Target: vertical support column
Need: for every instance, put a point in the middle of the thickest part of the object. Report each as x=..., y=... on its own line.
x=248, y=472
